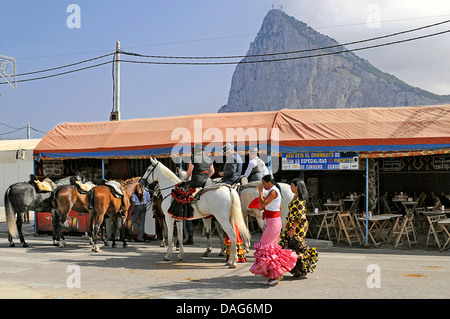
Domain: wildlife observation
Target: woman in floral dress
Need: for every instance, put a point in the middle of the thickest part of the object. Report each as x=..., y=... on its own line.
x=293, y=237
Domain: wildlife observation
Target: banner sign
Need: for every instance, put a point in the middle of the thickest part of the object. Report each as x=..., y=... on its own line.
x=316, y=161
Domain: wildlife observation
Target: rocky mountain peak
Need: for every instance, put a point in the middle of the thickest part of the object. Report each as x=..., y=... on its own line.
x=331, y=81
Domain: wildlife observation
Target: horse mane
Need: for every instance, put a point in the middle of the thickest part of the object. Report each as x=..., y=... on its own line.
x=166, y=172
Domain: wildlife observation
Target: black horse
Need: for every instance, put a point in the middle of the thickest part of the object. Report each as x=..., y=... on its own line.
x=23, y=196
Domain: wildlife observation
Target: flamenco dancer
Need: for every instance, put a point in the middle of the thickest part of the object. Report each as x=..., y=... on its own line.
x=271, y=261
x=294, y=234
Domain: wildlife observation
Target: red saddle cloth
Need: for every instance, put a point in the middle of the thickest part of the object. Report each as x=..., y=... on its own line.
x=182, y=196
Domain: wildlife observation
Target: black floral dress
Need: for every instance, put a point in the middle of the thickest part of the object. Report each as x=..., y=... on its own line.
x=307, y=257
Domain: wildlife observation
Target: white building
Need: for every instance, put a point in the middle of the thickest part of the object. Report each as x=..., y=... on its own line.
x=16, y=163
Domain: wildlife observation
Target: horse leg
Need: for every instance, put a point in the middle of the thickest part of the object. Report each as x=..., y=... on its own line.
x=114, y=230
x=62, y=243
x=56, y=228
x=95, y=247
x=207, y=223
x=19, y=228
x=229, y=230
x=221, y=237
x=103, y=231
x=163, y=232
x=169, y=223
x=180, y=239
x=123, y=231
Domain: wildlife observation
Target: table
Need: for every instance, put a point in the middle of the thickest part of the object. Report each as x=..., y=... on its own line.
x=446, y=226
x=396, y=200
x=311, y=216
x=409, y=207
x=378, y=225
x=332, y=207
x=353, y=203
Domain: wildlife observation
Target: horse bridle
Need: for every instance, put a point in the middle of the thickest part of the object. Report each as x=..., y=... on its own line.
x=151, y=173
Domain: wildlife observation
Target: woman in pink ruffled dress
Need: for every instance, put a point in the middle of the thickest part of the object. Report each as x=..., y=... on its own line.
x=271, y=261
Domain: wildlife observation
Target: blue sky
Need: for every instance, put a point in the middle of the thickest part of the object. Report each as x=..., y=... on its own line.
x=36, y=34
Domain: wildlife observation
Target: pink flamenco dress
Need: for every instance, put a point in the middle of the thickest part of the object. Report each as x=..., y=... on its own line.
x=271, y=261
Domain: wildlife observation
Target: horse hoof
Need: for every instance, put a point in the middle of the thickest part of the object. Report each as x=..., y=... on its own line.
x=62, y=245
x=232, y=266
x=125, y=245
x=12, y=245
x=179, y=258
x=114, y=246
x=25, y=245
x=205, y=254
x=166, y=258
x=55, y=243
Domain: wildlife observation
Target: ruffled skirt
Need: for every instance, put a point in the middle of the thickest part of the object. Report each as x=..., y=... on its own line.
x=271, y=261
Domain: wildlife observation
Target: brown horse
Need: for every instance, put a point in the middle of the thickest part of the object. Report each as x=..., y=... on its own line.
x=106, y=203
x=66, y=198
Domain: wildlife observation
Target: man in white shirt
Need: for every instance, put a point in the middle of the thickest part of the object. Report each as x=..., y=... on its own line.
x=138, y=211
x=256, y=168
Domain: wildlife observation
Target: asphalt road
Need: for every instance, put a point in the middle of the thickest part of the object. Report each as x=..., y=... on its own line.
x=45, y=271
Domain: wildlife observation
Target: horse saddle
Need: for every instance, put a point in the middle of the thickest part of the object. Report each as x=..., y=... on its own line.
x=84, y=188
x=116, y=189
x=250, y=184
x=200, y=191
x=46, y=185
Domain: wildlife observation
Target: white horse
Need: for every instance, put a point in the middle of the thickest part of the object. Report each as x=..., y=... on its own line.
x=222, y=202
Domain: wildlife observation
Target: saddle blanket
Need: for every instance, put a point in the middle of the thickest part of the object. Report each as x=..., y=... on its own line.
x=116, y=186
x=46, y=185
x=182, y=196
x=86, y=187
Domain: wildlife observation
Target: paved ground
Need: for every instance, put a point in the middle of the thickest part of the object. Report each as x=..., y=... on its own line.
x=44, y=271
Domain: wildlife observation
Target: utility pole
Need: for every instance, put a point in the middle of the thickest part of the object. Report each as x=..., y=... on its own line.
x=28, y=131
x=115, y=114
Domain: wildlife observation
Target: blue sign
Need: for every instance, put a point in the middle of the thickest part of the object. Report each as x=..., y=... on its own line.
x=317, y=161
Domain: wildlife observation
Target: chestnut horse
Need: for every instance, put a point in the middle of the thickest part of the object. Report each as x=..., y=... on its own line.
x=66, y=198
x=106, y=203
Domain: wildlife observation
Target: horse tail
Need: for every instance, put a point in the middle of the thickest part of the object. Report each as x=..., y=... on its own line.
x=10, y=216
x=237, y=217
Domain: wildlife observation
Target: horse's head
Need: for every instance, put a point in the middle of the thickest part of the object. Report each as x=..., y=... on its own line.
x=181, y=174
x=139, y=190
x=149, y=176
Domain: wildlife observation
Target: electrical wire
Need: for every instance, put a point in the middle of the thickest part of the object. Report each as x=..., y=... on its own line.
x=236, y=56
x=289, y=52
x=16, y=129
x=66, y=66
x=288, y=58
x=62, y=73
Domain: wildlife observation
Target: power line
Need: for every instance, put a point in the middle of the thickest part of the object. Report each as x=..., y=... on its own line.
x=16, y=129
x=65, y=66
x=288, y=58
x=289, y=52
x=236, y=56
x=9, y=126
x=62, y=73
